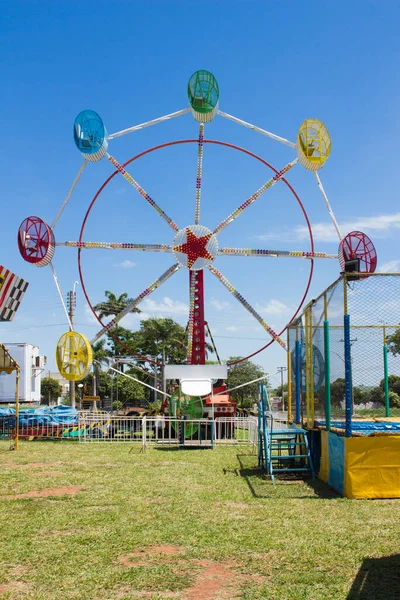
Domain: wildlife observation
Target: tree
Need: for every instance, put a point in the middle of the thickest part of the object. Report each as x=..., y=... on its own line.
x=394, y=399
x=50, y=389
x=163, y=339
x=242, y=373
x=393, y=342
x=119, y=387
x=360, y=396
x=394, y=384
x=394, y=390
x=279, y=389
x=113, y=305
x=129, y=390
x=104, y=384
x=100, y=350
x=337, y=392
x=130, y=339
x=375, y=395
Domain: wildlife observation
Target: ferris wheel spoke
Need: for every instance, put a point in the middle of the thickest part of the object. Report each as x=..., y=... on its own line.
x=199, y=174
x=328, y=206
x=117, y=246
x=142, y=192
x=246, y=305
x=277, y=138
x=273, y=253
x=230, y=218
x=136, y=301
x=168, y=117
x=61, y=295
x=68, y=196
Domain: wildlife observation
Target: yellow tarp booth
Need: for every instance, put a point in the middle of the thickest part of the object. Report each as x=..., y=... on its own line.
x=361, y=467
x=372, y=467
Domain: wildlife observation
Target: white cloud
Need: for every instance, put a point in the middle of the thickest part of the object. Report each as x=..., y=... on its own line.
x=381, y=226
x=393, y=266
x=166, y=306
x=232, y=328
x=149, y=308
x=274, y=307
x=90, y=316
x=126, y=264
x=218, y=305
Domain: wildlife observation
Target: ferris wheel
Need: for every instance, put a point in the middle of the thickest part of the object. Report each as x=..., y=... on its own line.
x=194, y=246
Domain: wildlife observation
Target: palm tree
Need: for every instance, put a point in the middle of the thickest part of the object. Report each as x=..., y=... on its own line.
x=113, y=305
x=100, y=352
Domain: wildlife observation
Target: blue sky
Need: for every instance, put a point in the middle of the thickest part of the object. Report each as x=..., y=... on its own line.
x=276, y=64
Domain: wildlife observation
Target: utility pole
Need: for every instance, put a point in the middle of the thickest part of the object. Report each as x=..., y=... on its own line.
x=281, y=371
x=71, y=306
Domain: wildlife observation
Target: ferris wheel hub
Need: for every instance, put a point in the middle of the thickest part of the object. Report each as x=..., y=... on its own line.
x=195, y=247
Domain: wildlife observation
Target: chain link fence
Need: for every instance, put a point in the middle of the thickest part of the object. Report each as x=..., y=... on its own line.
x=373, y=304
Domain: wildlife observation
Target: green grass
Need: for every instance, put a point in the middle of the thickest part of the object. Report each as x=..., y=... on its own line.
x=288, y=540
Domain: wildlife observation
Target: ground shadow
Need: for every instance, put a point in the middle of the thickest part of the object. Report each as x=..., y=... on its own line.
x=179, y=448
x=261, y=486
x=323, y=490
x=377, y=579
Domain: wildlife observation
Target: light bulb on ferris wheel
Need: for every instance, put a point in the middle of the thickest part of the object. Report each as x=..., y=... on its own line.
x=194, y=246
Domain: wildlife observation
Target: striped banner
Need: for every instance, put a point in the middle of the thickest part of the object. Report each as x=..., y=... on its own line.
x=12, y=289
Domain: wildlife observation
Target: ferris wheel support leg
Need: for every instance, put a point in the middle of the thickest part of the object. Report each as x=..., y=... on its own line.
x=178, y=113
x=328, y=206
x=68, y=196
x=277, y=138
x=196, y=332
x=61, y=296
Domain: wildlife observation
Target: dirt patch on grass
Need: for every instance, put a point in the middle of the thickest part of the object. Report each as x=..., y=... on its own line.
x=48, y=474
x=10, y=464
x=14, y=586
x=237, y=505
x=215, y=580
x=48, y=492
x=18, y=570
x=166, y=550
x=219, y=580
x=36, y=465
x=59, y=532
x=128, y=592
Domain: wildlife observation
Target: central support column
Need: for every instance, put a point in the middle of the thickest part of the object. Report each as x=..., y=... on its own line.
x=198, y=356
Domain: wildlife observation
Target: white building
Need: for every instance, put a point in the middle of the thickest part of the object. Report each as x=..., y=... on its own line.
x=32, y=365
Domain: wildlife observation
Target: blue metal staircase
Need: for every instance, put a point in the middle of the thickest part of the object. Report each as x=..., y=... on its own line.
x=281, y=450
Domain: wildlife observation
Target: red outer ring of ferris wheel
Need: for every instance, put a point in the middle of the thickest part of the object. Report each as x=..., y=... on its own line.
x=189, y=141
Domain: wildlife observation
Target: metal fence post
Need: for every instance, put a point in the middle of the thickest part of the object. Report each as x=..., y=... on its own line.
x=348, y=378
x=386, y=380
x=144, y=433
x=327, y=359
x=298, y=380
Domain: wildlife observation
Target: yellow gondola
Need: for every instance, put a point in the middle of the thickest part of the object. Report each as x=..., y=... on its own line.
x=73, y=356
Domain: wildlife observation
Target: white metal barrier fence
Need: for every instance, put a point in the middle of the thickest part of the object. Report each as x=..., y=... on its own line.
x=168, y=430
x=105, y=427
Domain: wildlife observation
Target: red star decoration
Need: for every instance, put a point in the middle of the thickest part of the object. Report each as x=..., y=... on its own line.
x=194, y=247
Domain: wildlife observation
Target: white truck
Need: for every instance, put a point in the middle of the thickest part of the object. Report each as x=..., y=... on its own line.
x=31, y=364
